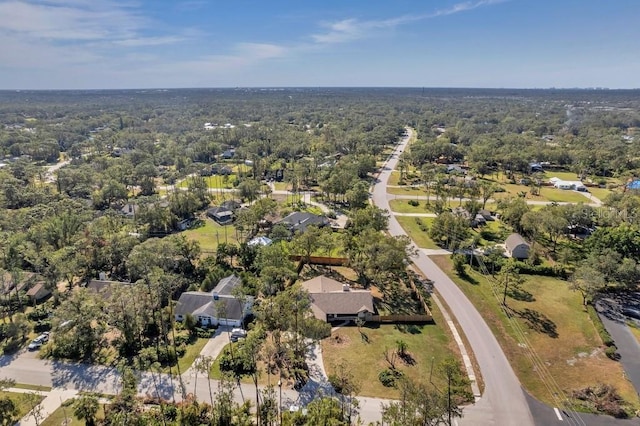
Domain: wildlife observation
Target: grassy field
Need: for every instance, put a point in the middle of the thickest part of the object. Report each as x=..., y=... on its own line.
x=57, y=417
x=403, y=206
x=21, y=400
x=411, y=227
x=406, y=191
x=216, y=181
x=210, y=234
x=560, y=175
x=427, y=344
x=557, y=328
x=600, y=193
x=560, y=195
x=31, y=387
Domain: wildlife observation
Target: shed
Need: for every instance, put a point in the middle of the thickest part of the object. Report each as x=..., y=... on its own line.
x=516, y=247
x=38, y=292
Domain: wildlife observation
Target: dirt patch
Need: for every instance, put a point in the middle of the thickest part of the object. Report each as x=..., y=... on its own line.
x=339, y=340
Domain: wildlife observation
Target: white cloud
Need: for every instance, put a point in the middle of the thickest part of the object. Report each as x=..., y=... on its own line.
x=353, y=29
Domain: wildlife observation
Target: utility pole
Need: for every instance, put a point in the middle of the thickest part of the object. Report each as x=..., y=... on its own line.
x=449, y=399
x=506, y=284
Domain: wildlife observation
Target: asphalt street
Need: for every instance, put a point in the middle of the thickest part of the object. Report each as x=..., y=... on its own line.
x=503, y=402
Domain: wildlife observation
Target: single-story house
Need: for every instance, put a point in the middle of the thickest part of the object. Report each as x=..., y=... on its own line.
x=634, y=185
x=38, y=292
x=298, y=221
x=8, y=285
x=479, y=220
x=228, y=154
x=536, y=167
x=332, y=300
x=575, y=185
x=260, y=241
x=218, y=307
x=516, y=247
x=221, y=215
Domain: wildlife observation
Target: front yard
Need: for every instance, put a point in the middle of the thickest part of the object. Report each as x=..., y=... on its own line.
x=412, y=228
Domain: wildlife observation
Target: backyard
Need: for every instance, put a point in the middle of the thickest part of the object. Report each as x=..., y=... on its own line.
x=209, y=234
x=557, y=328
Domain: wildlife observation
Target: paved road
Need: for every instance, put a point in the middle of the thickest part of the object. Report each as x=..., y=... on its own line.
x=503, y=402
x=627, y=344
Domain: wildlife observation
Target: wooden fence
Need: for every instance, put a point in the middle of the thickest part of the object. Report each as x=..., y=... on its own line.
x=321, y=260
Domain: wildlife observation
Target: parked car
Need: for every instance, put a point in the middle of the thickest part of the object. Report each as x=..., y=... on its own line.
x=631, y=312
x=39, y=341
x=237, y=333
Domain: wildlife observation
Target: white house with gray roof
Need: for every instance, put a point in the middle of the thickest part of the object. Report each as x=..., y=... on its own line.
x=218, y=307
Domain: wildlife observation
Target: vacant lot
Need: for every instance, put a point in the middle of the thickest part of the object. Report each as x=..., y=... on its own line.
x=403, y=206
x=557, y=328
x=362, y=352
x=412, y=228
x=209, y=234
x=561, y=195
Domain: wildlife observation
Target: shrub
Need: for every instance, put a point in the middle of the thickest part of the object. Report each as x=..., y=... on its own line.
x=423, y=227
x=414, y=203
x=389, y=378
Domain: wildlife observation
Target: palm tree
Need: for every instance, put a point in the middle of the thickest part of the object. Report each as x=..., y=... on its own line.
x=86, y=408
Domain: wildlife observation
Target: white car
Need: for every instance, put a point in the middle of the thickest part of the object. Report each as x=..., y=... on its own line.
x=39, y=341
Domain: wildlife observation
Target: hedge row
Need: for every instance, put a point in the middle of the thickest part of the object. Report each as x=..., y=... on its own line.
x=607, y=340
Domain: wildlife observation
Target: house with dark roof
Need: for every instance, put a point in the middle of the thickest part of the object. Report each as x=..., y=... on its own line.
x=332, y=300
x=218, y=307
x=221, y=215
x=299, y=221
x=516, y=247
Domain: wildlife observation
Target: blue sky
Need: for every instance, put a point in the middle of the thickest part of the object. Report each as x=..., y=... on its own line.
x=78, y=44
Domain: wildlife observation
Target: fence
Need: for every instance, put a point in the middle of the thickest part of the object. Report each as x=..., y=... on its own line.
x=321, y=260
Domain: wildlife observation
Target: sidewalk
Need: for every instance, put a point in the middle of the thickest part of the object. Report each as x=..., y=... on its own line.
x=52, y=401
x=212, y=349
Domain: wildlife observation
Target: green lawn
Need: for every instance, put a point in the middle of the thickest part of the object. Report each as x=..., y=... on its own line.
x=403, y=206
x=57, y=417
x=561, y=175
x=281, y=186
x=557, y=328
x=363, y=355
x=31, y=387
x=600, y=193
x=411, y=227
x=216, y=181
x=210, y=234
x=192, y=353
x=405, y=191
x=561, y=195
x=21, y=400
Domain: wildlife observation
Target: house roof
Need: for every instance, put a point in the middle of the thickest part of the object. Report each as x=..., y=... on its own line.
x=329, y=296
x=298, y=221
x=260, y=241
x=514, y=240
x=342, y=302
x=227, y=284
x=322, y=284
x=38, y=290
x=200, y=303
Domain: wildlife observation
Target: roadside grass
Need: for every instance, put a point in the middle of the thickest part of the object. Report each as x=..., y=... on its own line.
x=21, y=400
x=560, y=175
x=394, y=178
x=209, y=234
x=405, y=191
x=561, y=195
x=362, y=353
x=58, y=417
x=32, y=387
x=557, y=328
x=403, y=206
x=412, y=228
x=281, y=186
x=635, y=329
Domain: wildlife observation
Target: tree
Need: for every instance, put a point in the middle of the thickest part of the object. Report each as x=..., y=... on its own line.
x=588, y=281
x=310, y=241
x=346, y=385
x=553, y=223
x=8, y=408
x=449, y=230
x=512, y=211
x=509, y=278
x=248, y=189
x=86, y=407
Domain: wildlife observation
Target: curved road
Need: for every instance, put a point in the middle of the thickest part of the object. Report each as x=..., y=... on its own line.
x=503, y=402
